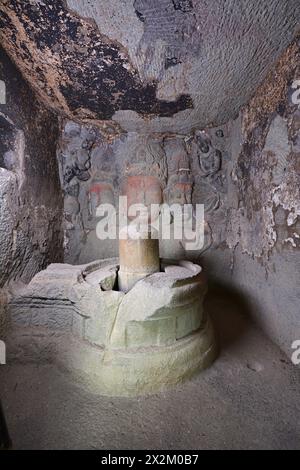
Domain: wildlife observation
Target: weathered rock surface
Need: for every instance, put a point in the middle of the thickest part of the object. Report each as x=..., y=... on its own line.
x=147, y=65
x=190, y=169
x=30, y=196
x=263, y=229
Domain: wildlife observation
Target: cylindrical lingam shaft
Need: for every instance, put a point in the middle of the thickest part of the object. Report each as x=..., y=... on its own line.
x=139, y=252
x=139, y=257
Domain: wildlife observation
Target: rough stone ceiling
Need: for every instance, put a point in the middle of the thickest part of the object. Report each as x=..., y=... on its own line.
x=147, y=65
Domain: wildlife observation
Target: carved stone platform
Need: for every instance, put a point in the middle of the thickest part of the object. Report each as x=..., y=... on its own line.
x=154, y=336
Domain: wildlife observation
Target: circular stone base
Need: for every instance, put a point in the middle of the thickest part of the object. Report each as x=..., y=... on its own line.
x=122, y=344
x=138, y=372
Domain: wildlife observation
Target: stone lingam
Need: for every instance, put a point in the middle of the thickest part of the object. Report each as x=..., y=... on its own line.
x=154, y=336
x=126, y=327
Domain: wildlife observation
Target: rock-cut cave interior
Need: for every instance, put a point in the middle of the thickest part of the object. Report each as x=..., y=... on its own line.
x=149, y=224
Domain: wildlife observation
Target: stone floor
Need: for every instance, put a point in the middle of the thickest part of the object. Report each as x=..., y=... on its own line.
x=249, y=399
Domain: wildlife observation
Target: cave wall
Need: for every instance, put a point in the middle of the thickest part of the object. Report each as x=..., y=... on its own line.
x=263, y=220
x=30, y=194
x=93, y=170
x=259, y=258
